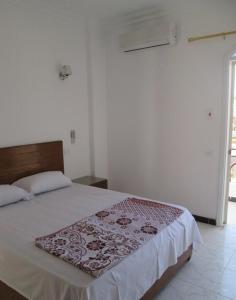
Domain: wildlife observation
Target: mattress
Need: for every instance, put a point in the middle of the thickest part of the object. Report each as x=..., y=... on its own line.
x=37, y=275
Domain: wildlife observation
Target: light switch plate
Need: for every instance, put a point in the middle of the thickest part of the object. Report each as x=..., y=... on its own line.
x=72, y=136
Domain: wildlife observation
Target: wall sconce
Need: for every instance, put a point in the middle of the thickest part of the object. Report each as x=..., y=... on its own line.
x=64, y=72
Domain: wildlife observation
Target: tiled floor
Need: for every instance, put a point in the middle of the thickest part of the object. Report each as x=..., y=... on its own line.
x=211, y=273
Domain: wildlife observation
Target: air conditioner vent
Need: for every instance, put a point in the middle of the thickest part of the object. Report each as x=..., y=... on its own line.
x=147, y=36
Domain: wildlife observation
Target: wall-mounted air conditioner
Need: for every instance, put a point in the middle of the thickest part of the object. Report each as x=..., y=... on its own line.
x=148, y=36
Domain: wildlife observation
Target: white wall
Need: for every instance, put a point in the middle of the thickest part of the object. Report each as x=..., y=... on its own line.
x=35, y=106
x=97, y=95
x=160, y=142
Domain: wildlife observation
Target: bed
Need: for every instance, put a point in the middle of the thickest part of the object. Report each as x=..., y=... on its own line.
x=27, y=272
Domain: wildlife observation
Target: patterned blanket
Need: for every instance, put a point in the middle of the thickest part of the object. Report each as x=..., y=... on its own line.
x=99, y=242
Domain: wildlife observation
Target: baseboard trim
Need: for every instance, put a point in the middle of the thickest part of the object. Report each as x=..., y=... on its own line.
x=205, y=220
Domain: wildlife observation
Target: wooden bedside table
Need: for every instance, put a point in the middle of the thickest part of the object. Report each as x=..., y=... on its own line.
x=92, y=181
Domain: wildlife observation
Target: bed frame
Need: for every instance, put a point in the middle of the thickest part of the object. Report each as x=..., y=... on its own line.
x=20, y=161
x=26, y=160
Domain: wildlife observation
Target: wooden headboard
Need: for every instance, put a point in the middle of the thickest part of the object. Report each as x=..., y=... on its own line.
x=26, y=160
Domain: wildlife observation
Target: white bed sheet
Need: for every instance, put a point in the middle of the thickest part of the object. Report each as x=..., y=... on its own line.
x=40, y=276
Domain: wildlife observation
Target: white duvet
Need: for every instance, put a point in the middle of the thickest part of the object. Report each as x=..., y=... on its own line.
x=40, y=276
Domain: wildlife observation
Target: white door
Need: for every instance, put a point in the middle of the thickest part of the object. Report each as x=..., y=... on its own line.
x=231, y=131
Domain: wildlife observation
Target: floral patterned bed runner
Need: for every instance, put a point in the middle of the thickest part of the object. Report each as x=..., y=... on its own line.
x=99, y=242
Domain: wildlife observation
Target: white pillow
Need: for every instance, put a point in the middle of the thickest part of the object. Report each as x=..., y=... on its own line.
x=10, y=194
x=43, y=182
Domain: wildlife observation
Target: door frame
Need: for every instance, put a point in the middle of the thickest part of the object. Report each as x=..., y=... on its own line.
x=232, y=65
x=226, y=135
